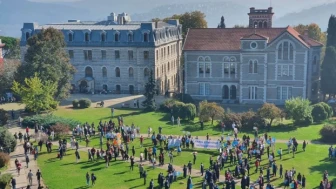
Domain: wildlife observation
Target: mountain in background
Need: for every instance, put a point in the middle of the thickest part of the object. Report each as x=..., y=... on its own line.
x=14, y=13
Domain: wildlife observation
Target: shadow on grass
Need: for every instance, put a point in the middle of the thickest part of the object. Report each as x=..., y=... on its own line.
x=328, y=165
x=82, y=187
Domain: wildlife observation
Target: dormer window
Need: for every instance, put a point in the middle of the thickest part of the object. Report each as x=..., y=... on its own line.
x=145, y=37
x=70, y=37
x=116, y=37
x=27, y=35
x=87, y=37
x=130, y=37
x=103, y=37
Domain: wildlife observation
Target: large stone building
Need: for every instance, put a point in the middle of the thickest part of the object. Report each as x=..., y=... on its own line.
x=118, y=54
x=251, y=65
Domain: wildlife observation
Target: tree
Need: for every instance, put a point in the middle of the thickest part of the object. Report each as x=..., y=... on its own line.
x=328, y=76
x=314, y=32
x=12, y=47
x=210, y=110
x=4, y=117
x=36, y=95
x=269, y=111
x=7, y=74
x=299, y=110
x=331, y=37
x=150, y=91
x=46, y=57
x=7, y=140
x=319, y=113
x=222, y=23
x=195, y=19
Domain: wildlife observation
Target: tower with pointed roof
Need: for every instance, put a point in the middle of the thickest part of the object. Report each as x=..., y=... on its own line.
x=260, y=18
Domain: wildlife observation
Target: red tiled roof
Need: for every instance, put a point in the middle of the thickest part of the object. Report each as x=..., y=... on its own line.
x=213, y=39
x=255, y=36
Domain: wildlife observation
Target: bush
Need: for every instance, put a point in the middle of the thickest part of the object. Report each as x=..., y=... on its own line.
x=299, y=110
x=185, y=98
x=75, y=103
x=7, y=140
x=188, y=111
x=84, y=103
x=4, y=159
x=167, y=105
x=3, y=117
x=319, y=113
x=60, y=130
x=4, y=180
x=48, y=121
x=179, y=109
x=328, y=133
x=230, y=118
x=328, y=109
x=250, y=119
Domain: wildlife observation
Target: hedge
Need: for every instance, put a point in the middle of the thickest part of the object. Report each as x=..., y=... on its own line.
x=48, y=121
x=319, y=113
x=5, y=179
x=179, y=109
x=75, y=103
x=84, y=103
x=328, y=133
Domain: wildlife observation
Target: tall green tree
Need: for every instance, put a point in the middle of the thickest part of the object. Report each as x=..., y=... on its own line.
x=12, y=48
x=47, y=57
x=328, y=73
x=299, y=110
x=331, y=38
x=150, y=91
x=36, y=95
x=195, y=19
x=222, y=23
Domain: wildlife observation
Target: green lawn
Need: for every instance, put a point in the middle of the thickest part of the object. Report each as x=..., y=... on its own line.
x=67, y=174
x=156, y=119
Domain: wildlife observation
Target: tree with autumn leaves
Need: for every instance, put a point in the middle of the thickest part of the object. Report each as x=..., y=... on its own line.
x=210, y=110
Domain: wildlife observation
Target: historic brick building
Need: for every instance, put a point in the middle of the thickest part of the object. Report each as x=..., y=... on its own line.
x=251, y=65
x=117, y=54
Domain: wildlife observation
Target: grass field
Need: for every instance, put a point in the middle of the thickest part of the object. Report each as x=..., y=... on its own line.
x=157, y=119
x=67, y=174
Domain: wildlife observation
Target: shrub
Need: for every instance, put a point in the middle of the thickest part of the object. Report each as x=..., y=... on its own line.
x=230, y=118
x=48, y=121
x=84, y=103
x=250, y=119
x=60, y=130
x=210, y=110
x=185, y=98
x=3, y=117
x=179, y=109
x=167, y=105
x=75, y=103
x=328, y=109
x=7, y=140
x=188, y=111
x=328, y=133
x=4, y=159
x=4, y=180
x=299, y=110
x=319, y=113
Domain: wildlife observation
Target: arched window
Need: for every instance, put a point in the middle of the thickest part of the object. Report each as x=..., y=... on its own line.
x=157, y=72
x=118, y=89
x=27, y=35
x=226, y=59
x=87, y=37
x=260, y=24
x=162, y=69
x=146, y=72
x=105, y=87
x=233, y=92
x=265, y=24
x=70, y=35
x=225, y=92
x=253, y=66
x=255, y=25
x=168, y=50
x=168, y=66
x=117, y=72
x=286, y=51
x=104, y=72
x=200, y=59
x=103, y=37
x=116, y=37
x=232, y=59
x=131, y=89
x=145, y=35
x=130, y=72
x=88, y=72
x=130, y=37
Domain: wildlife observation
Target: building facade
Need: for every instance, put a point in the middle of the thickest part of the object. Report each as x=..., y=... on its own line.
x=117, y=55
x=251, y=65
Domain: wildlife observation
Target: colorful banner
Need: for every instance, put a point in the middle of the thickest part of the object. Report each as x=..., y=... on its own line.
x=207, y=144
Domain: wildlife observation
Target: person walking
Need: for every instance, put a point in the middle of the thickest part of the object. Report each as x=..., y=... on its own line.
x=189, y=167
x=77, y=156
x=132, y=163
x=27, y=160
x=30, y=178
x=13, y=182
x=87, y=176
x=304, y=145
x=151, y=184
x=189, y=183
x=38, y=176
x=93, y=179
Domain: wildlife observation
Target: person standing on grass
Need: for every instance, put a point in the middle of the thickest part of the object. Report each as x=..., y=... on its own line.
x=189, y=167
x=304, y=145
x=141, y=170
x=30, y=178
x=303, y=184
x=93, y=179
x=189, y=183
x=132, y=163
x=38, y=176
x=77, y=156
x=141, y=141
x=151, y=184
x=13, y=182
x=133, y=151
x=280, y=171
x=202, y=169
x=87, y=176
x=144, y=175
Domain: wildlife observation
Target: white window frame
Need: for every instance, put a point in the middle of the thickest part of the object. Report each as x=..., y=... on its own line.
x=284, y=92
x=204, y=89
x=285, y=70
x=253, y=93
